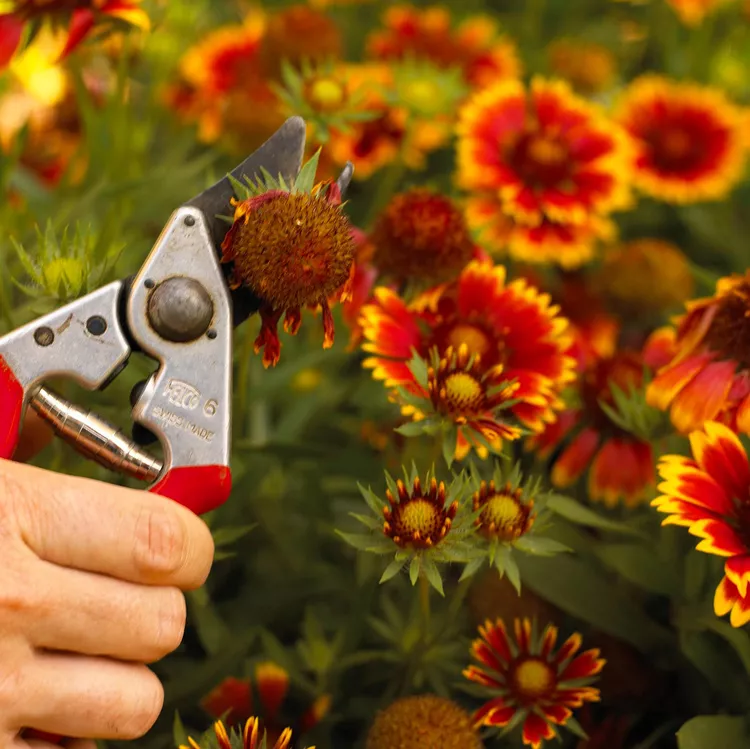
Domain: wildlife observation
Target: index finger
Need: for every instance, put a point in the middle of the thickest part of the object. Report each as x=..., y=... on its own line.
x=88, y=525
x=35, y=436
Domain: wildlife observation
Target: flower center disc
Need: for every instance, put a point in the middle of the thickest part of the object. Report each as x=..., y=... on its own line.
x=507, y=514
x=326, y=94
x=532, y=679
x=419, y=516
x=730, y=330
x=475, y=340
x=676, y=148
x=463, y=393
x=542, y=161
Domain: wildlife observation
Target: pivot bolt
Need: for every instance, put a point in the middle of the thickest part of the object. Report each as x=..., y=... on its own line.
x=180, y=309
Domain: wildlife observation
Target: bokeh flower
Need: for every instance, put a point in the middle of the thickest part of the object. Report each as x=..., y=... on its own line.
x=709, y=494
x=510, y=330
x=547, y=154
x=82, y=17
x=620, y=464
x=688, y=139
x=294, y=248
x=708, y=376
x=645, y=277
x=232, y=700
x=421, y=236
x=423, y=523
x=692, y=12
x=475, y=46
x=528, y=682
x=589, y=68
x=423, y=722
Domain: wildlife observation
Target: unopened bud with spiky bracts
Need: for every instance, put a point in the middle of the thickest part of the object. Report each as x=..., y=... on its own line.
x=293, y=247
x=250, y=738
x=510, y=515
x=422, y=523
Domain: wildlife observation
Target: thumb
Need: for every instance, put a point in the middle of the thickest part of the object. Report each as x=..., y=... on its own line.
x=35, y=436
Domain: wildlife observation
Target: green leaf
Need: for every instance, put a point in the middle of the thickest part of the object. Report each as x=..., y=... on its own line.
x=576, y=728
x=432, y=573
x=414, y=570
x=577, y=513
x=365, y=542
x=226, y=536
x=392, y=570
x=449, y=446
x=639, y=565
x=471, y=568
x=411, y=429
x=373, y=501
x=539, y=545
x=179, y=734
x=513, y=573
x=306, y=178
x=738, y=639
x=714, y=732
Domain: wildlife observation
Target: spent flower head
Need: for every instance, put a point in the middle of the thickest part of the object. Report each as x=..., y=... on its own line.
x=292, y=246
x=422, y=522
x=510, y=516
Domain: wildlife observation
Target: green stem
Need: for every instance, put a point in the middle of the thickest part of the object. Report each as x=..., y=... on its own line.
x=243, y=377
x=424, y=603
x=387, y=185
x=259, y=415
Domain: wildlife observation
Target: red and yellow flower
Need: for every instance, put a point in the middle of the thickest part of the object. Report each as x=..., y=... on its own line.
x=526, y=676
x=708, y=375
x=250, y=738
x=590, y=68
x=692, y=12
x=688, y=139
x=233, y=701
x=709, y=494
x=82, y=16
x=547, y=154
x=567, y=245
x=620, y=466
x=475, y=46
x=511, y=328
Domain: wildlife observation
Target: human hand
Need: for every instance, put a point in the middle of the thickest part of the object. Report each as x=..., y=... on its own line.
x=91, y=588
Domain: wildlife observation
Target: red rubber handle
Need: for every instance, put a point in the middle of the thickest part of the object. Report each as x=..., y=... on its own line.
x=199, y=488
x=11, y=406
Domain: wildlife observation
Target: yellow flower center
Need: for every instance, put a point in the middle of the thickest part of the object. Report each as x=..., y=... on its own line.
x=420, y=516
x=422, y=94
x=505, y=516
x=547, y=152
x=463, y=392
x=326, y=93
x=475, y=340
x=532, y=679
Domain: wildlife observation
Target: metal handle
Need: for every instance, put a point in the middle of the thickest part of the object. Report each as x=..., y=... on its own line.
x=94, y=437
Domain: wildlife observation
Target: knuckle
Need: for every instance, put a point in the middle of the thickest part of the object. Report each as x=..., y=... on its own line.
x=171, y=623
x=12, y=684
x=161, y=541
x=144, y=709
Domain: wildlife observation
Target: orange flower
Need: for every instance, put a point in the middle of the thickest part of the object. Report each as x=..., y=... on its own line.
x=233, y=701
x=546, y=154
x=83, y=15
x=528, y=681
x=708, y=376
x=475, y=45
x=692, y=12
x=293, y=250
x=620, y=465
x=567, y=245
x=510, y=329
x=710, y=496
x=590, y=68
x=251, y=738
x=688, y=139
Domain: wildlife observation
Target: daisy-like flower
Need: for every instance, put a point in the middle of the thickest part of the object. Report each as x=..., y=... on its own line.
x=620, y=464
x=590, y=68
x=692, y=12
x=510, y=517
x=475, y=46
x=530, y=683
x=708, y=377
x=688, y=139
x=546, y=153
x=232, y=700
x=564, y=244
x=80, y=15
x=710, y=496
x=250, y=738
x=422, y=722
x=422, y=524
x=645, y=277
x=293, y=247
x=421, y=235
x=510, y=332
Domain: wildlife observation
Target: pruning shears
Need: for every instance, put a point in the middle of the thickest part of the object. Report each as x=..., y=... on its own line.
x=177, y=310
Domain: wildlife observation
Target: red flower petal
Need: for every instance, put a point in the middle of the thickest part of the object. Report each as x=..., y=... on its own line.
x=586, y=664
x=569, y=648
x=737, y=569
x=549, y=640
x=743, y=416
x=536, y=730
x=497, y=637
x=484, y=653
x=719, y=452
x=473, y=673
x=623, y=468
x=575, y=458
x=496, y=712
x=232, y=698
x=727, y=599
x=273, y=685
x=703, y=398
x=694, y=486
x=11, y=31
x=81, y=22
x=669, y=382
x=719, y=538
x=523, y=634
x=557, y=713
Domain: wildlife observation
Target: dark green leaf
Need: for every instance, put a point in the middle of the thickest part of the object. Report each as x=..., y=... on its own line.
x=714, y=732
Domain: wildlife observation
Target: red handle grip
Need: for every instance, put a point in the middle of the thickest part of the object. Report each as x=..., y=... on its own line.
x=11, y=406
x=199, y=488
